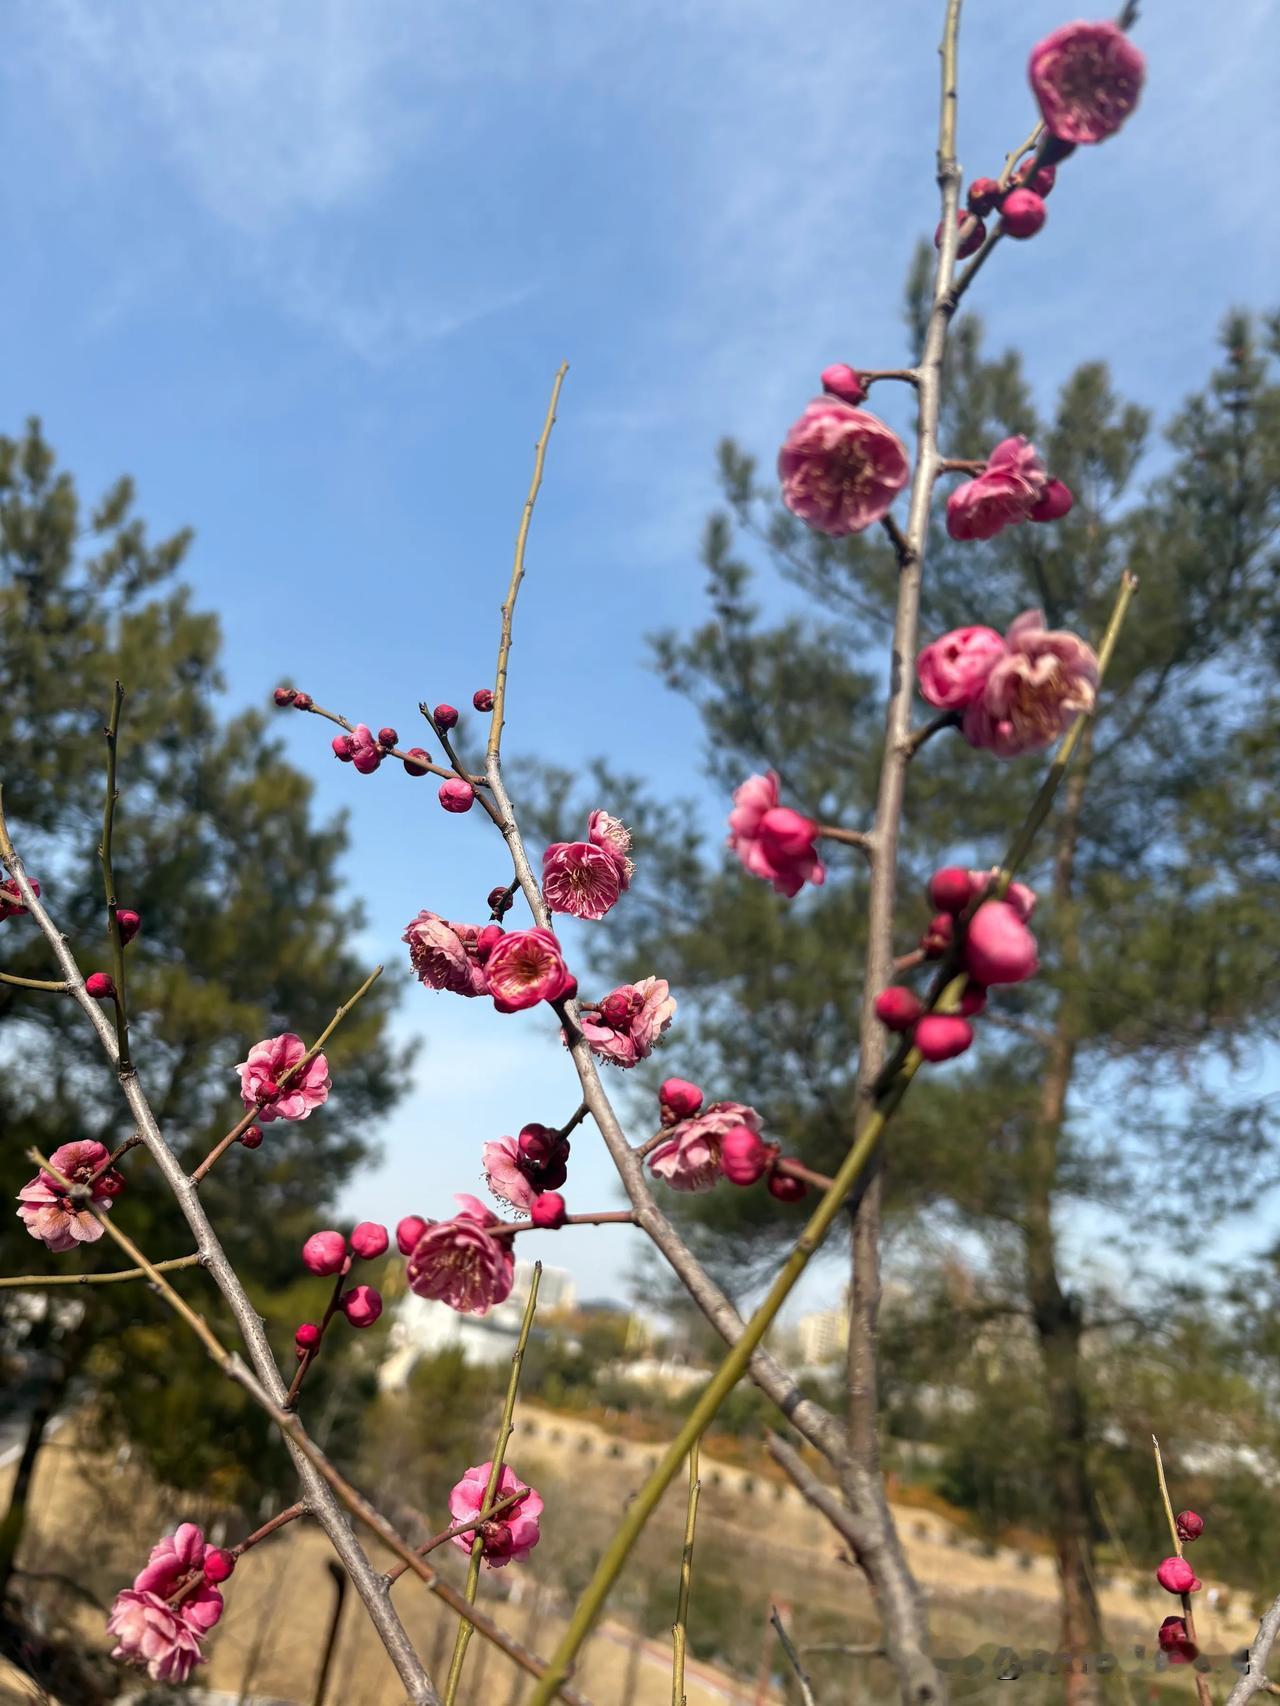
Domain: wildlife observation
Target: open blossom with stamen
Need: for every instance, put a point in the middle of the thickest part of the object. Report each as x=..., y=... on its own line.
x=1033, y=694
x=840, y=467
x=1005, y=493
x=50, y=1215
x=772, y=841
x=611, y=834
x=504, y=1175
x=580, y=878
x=267, y=1064
x=526, y=967
x=1086, y=79
x=690, y=1158
x=624, y=1027
x=508, y=1537
x=461, y=1263
x=161, y=1637
x=447, y=956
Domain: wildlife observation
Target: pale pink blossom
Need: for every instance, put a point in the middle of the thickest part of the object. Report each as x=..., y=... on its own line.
x=261, y=1073
x=510, y=1536
x=953, y=670
x=689, y=1160
x=504, y=1175
x=1033, y=694
x=526, y=967
x=624, y=1027
x=49, y=1214
x=154, y=1636
x=580, y=878
x=610, y=833
x=364, y=751
x=840, y=467
x=461, y=1263
x=447, y=956
x=772, y=841
x=1004, y=494
x=1086, y=79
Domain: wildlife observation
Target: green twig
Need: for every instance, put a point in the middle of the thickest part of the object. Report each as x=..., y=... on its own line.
x=680, y=1628
x=463, y=1638
x=30, y=1281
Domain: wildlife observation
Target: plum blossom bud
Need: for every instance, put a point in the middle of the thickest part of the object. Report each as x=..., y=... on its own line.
x=937, y=938
x=1057, y=501
x=388, y=737
x=950, y=889
x=548, y=1210
x=218, y=1564
x=408, y=1232
x=678, y=1099
x=130, y=923
x=972, y=1001
x=362, y=1305
x=786, y=1187
x=843, y=382
x=369, y=1240
x=743, y=1157
x=482, y=698
x=973, y=234
x=898, y=1008
x=942, y=1036
x=307, y=1336
x=841, y=468
x=984, y=194
x=444, y=717
x=324, y=1252
x=953, y=670
x=998, y=947
x=1022, y=214
x=344, y=748
x=1175, y=1643
x=487, y=941
x=1190, y=1526
x=366, y=754
x=500, y=900
x=772, y=841
x=302, y=701
x=251, y=1137
x=12, y=904
x=457, y=795
x=100, y=985
x=1086, y=79
x=1175, y=1575
x=283, y=696
x=416, y=762
x=1041, y=180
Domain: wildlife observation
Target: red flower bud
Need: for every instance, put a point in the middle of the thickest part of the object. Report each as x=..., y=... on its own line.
x=984, y=194
x=843, y=382
x=950, y=889
x=937, y=938
x=488, y=940
x=307, y=1336
x=408, y=1232
x=1055, y=501
x=251, y=1137
x=973, y=1000
x=362, y=1305
x=369, y=1240
x=482, y=698
x=1175, y=1642
x=898, y=1008
x=786, y=1188
x=973, y=234
x=218, y=1564
x=445, y=717
x=1041, y=181
x=1190, y=1526
x=743, y=1157
x=324, y=1252
x=457, y=795
x=500, y=900
x=678, y=1099
x=388, y=737
x=130, y=923
x=302, y=701
x=942, y=1036
x=423, y=762
x=343, y=748
x=1022, y=214
x=99, y=985
x=283, y=696
x=547, y=1210
x=1175, y=1575
x=998, y=947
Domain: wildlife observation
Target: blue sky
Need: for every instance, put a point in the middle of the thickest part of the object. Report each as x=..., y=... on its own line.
x=306, y=271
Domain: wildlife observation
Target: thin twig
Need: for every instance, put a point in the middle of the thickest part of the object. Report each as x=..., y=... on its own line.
x=793, y=1658
x=680, y=1628
x=848, y=837
x=463, y=1637
x=277, y=1521
x=918, y=737
x=459, y=1528
x=286, y=1078
x=54, y=986
x=112, y=732
x=1254, y=1679
x=1203, y=1693
x=28, y=1281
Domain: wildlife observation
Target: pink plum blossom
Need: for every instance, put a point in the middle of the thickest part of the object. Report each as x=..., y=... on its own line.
x=840, y=467
x=998, y=947
x=363, y=749
x=1004, y=494
x=1055, y=501
x=179, y=1556
x=526, y=967
x=953, y=670
x=689, y=1160
x=510, y=1536
x=624, y=1027
x=267, y=1064
x=461, y=1263
x=1086, y=79
x=580, y=878
x=447, y=956
x=504, y=1175
x=611, y=834
x=1034, y=693
x=50, y=1215
x=456, y=794
x=1175, y=1575
x=772, y=841
x=154, y=1636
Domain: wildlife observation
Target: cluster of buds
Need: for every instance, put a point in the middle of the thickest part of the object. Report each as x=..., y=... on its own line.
x=996, y=947
x=702, y=1146
x=526, y=1172
x=1176, y=1576
x=328, y=1254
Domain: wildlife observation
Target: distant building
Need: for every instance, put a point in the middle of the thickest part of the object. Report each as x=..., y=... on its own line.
x=426, y=1328
x=823, y=1337
x=558, y=1289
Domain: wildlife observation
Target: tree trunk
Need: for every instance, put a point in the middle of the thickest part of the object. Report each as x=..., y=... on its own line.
x=14, y=1522
x=1055, y=1312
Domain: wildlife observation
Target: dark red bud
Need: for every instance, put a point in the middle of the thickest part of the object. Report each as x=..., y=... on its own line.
x=786, y=1188
x=423, y=764
x=251, y=1137
x=130, y=923
x=283, y=696
x=445, y=717
x=388, y=737
x=302, y=701
x=482, y=698
x=99, y=985
x=898, y=1008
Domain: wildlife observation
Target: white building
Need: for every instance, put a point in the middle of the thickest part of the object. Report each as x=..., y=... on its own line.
x=823, y=1337
x=425, y=1328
